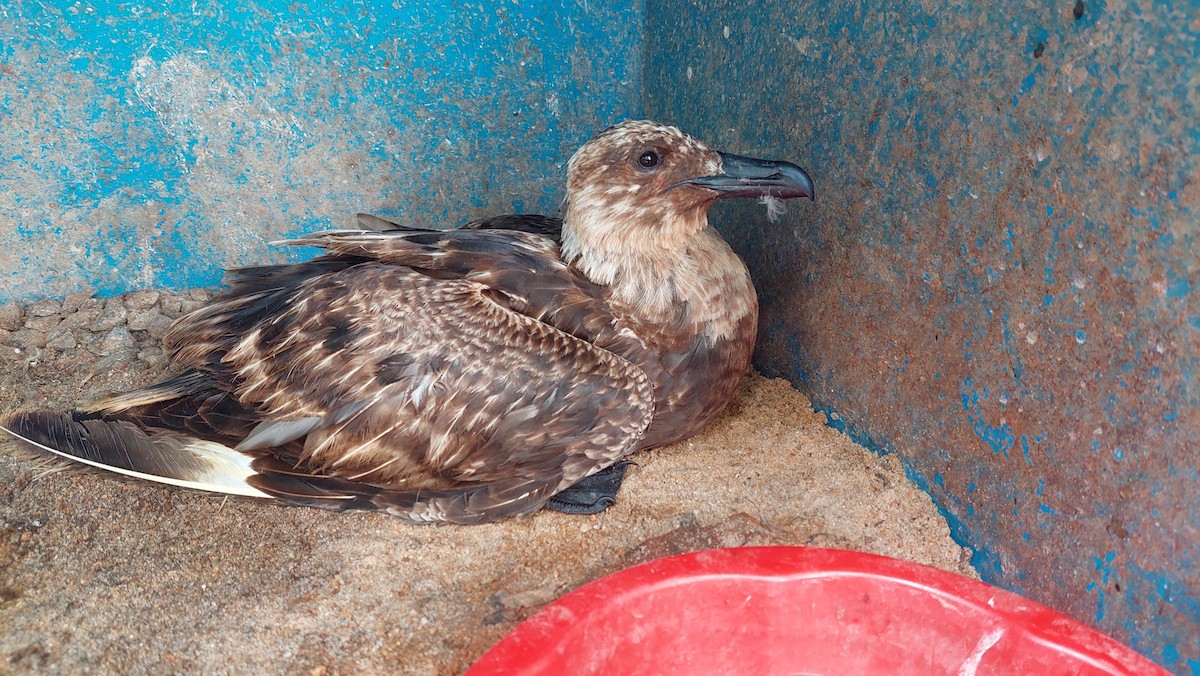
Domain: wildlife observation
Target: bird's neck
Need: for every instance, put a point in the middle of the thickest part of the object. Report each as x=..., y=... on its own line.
x=690, y=278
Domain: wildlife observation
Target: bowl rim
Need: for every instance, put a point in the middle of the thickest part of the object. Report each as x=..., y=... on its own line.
x=530, y=646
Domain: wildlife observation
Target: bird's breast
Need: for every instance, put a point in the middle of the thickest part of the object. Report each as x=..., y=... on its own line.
x=693, y=373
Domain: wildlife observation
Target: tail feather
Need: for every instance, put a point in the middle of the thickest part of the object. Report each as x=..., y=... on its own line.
x=120, y=446
x=177, y=458
x=191, y=402
x=186, y=383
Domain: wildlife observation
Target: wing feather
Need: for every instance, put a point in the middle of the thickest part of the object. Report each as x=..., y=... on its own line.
x=439, y=376
x=481, y=374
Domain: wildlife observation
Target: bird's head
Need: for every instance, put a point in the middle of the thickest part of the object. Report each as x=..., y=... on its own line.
x=642, y=189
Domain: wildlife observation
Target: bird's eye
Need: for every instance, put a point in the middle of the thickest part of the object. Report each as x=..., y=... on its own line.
x=648, y=160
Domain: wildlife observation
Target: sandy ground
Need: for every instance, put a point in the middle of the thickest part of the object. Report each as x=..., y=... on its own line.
x=104, y=575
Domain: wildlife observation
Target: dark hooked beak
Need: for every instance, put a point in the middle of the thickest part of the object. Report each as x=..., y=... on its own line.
x=750, y=177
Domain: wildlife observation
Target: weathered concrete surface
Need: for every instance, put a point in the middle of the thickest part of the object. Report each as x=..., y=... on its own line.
x=145, y=146
x=1000, y=282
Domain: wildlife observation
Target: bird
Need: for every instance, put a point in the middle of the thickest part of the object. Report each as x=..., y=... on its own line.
x=462, y=375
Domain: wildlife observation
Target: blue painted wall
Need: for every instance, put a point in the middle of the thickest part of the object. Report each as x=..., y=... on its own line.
x=1000, y=279
x=153, y=145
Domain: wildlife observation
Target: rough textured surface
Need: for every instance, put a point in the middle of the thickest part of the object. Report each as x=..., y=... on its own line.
x=129, y=577
x=150, y=146
x=1000, y=281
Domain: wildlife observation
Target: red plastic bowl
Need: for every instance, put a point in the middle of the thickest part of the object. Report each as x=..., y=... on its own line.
x=795, y=610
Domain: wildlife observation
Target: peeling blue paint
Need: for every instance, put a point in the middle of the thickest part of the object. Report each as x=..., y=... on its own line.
x=1000, y=438
x=1048, y=244
x=196, y=137
x=1057, y=265
x=1104, y=567
x=1028, y=83
x=1178, y=287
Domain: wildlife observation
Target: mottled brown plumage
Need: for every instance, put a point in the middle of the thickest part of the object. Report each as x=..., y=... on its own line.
x=462, y=375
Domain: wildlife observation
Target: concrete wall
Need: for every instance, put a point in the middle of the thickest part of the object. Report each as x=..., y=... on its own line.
x=146, y=147
x=999, y=280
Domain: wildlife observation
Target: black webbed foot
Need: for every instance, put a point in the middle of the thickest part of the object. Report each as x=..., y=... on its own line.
x=592, y=494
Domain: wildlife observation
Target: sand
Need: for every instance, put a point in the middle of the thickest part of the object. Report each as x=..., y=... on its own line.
x=106, y=575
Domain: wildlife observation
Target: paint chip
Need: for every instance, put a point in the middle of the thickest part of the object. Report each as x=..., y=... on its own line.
x=802, y=45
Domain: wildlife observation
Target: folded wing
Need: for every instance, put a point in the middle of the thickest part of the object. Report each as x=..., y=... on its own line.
x=436, y=375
